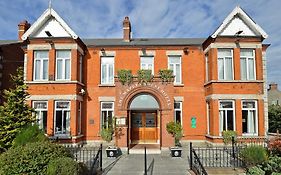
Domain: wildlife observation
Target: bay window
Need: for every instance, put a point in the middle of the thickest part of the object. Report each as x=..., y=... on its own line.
x=41, y=61
x=41, y=111
x=63, y=64
x=225, y=64
x=226, y=115
x=247, y=64
x=249, y=117
x=62, y=118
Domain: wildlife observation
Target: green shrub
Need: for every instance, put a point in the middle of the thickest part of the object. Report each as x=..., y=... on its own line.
x=227, y=136
x=256, y=170
x=253, y=155
x=175, y=129
x=166, y=75
x=31, y=133
x=144, y=76
x=125, y=76
x=64, y=166
x=273, y=165
x=31, y=158
x=274, y=146
x=106, y=134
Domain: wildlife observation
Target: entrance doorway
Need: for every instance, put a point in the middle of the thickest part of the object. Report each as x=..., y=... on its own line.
x=144, y=127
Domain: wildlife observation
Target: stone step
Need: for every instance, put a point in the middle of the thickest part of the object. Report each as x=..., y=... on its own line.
x=225, y=171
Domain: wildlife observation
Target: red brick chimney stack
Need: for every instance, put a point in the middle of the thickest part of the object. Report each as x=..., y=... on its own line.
x=22, y=28
x=126, y=29
x=273, y=86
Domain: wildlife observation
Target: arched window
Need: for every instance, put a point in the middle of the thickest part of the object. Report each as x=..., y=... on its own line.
x=144, y=101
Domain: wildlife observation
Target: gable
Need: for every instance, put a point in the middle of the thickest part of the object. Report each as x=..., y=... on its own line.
x=236, y=25
x=53, y=27
x=49, y=21
x=239, y=23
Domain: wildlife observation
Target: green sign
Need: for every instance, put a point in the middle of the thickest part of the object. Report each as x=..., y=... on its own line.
x=193, y=122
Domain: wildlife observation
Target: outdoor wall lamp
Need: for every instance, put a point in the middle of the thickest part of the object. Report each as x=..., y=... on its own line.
x=186, y=50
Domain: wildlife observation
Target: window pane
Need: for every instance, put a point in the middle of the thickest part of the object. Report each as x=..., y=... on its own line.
x=226, y=105
x=177, y=105
x=150, y=120
x=228, y=68
x=107, y=60
x=58, y=129
x=251, y=69
x=230, y=120
x=40, y=105
x=178, y=116
x=221, y=69
x=103, y=73
x=66, y=122
x=249, y=105
x=44, y=117
x=59, y=69
x=107, y=106
x=67, y=69
x=243, y=67
x=178, y=73
x=62, y=105
x=104, y=119
x=244, y=121
x=146, y=60
x=45, y=69
x=174, y=60
x=41, y=54
x=37, y=69
x=63, y=54
x=224, y=53
x=111, y=74
x=247, y=52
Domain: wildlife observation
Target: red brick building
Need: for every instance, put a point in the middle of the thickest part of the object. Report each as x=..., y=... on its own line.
x=219, y=83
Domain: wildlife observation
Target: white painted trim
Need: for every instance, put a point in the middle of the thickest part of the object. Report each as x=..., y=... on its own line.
x=54, y=82
x=43, y=19
x=63, y=67
x=232, y=45
x=147, y=53
x=234, y=114
x=55, y=97
x=238, y=11
x=106, y=99
x=107, y=53
x=55, y=117
x=174, y=52
x=256, y=109
x=169, y=57
x=234, y=96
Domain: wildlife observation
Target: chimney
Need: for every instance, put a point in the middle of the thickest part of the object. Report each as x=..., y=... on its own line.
x=22, y=28
x=273, y=86
x=126, y=29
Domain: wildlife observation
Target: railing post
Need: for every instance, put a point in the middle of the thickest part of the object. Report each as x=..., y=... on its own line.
x=100, y=157
x=145, y=163
x=233, y=153
x=190, y=155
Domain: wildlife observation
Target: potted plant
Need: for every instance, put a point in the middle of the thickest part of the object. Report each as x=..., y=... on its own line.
x=125, y=76
x=144, y=76
x=166, y=75
x=175, y=129
x=107, y=135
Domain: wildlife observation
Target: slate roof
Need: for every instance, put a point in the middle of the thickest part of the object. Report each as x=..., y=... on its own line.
x=145, y=42
x=7, y=42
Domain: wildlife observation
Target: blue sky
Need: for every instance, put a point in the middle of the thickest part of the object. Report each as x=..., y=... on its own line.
x=150, y=19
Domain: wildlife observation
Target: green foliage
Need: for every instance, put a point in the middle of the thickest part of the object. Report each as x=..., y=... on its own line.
x=227, y=136
x=166, y=75
x=31, y=133
x=32, y=158
x=175, y=129
x=144, y=76
x=256, y=170
x=106, y=134
x=274, y=118
x=274, y=146
x=125, y=76
x=253, y=155
x=273, y=165
x=15, y=113
x=64, y=166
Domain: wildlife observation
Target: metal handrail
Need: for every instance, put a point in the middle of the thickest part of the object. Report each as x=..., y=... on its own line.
x=199, y=170
x=98, y=159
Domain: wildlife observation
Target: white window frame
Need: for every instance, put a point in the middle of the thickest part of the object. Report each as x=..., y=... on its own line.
x=247, y=63
x=174, y=66
x=146, y=65
x=107, y=70
x=63, y=66
x=224, y=70
x=227, y=109
x=63, y=110
x=256, y=117
x=208, y=108
x=80, y=118
x=106, y=110
x=180, y=109
x=41, y=66
x=40, y=110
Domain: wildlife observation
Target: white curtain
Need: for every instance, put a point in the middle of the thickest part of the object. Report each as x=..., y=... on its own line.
x=67, y=69
x=251, y=70
x=221, y=68
x=228, y=68
x=243, y=67
x=59, y=69
x=37, y=69
x=251, y=122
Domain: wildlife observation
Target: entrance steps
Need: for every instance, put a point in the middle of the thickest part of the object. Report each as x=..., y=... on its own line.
x=225, y=171
x=150, y=149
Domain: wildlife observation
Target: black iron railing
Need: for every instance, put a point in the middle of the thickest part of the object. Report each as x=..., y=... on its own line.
x=149, y=170
x=195, y=163
x=97, y=163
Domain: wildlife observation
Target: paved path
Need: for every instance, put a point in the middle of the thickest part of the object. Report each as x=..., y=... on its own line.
x=133, y=164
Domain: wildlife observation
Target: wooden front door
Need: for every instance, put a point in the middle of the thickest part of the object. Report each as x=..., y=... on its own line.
x=144, y=127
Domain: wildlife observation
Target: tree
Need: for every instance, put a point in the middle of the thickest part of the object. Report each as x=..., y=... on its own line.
x=274, y=118
x=14, y=113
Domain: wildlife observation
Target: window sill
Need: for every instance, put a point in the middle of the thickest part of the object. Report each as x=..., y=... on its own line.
x=60, y=136
x=106, y=85
x=54, y=82
x=234, y=81
x=178, y=85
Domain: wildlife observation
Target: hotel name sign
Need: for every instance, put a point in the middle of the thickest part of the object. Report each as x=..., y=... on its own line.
x=155, y=86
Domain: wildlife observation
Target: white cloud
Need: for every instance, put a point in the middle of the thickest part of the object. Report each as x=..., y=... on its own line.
x=149, y=18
